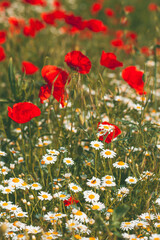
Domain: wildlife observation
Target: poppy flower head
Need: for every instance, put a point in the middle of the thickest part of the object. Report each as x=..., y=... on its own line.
x=109, y=12
x=134, y=78
x=29, y=68
x=109, y=131
x=70, y=201
x=2, y=37
x=4, y=5
x=110, y=61
x=152, y=7
x=96, y=7
x=129, y=9
x=35, y=2
x=78, y=61
x=45, y=92
x=96, y=25
x=2, y=54
x=75, y=21
x=117, y=43
x=23, y=112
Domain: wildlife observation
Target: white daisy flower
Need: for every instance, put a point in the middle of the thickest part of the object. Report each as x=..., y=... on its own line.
x=2, y=153
x=131, y=180
x=108, y=177
x=53, y=152
x=120, y=164
x=7, y=190
x=91, y=196
x=97, y=145
x=107, y=153
x=4, y=170
x=61, y=195
x=44, y=196
x=79, y=215
x=36, y=186
x=15, y=182
x=74, y=187
x=127, y=225
x=123, y=191
x=97, y=206
x=157, y=225
x=108, y=183
x=94, y=182
x=155, y=237
x=139, y=223
x=21, y=214
x=68, y=161
x=72, y=224
x=49, y=159
x=147, y=216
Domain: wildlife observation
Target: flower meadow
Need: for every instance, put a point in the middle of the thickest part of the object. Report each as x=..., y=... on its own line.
x=80, y=117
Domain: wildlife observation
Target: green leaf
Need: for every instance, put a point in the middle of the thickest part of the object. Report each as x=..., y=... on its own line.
x=12, y=77
x=120, y=212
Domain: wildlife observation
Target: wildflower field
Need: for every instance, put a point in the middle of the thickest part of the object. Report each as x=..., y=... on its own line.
x=79, y=119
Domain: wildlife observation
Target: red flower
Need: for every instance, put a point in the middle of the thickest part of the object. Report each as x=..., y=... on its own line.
x=131, y=35
x=2, y=54
x=57, y=78
x=4, y=4
x=34, y=26
x=78, y=61
x=96, y=7
x=35, y=2
x=108, y=130
x=23, y=112
x=16, y=25
x=109, y=12
x=29, y=68
x=2, y=37
x=70, y=201
x=75, y=21
x=96, y=25
x=129, y=9
x=45, y=92
x=117, y=43
x=134, y=78
x=110, y=61
x=146, y=51
x=152, y=7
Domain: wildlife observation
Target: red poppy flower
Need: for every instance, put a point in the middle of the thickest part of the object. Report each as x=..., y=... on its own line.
x=23, y=112
x=110, y=131
x=2, y=37
x=16, y=25
x=2, y=54
x=129, y=9
x=110, y=61
x=70, y=201
x=34, y=26
x=29, y=68
x=131, y=35
x=56, y=78
x=35, y=2
x=4, y=4
x=117, y=43
x=78, y=61
x=96, y=25
x=45, y=92
x=96, y=7
x=134, y=78
x=109, y=12
x=152, y=7
x=146, y=51
x=57, y=4
x=75, y=21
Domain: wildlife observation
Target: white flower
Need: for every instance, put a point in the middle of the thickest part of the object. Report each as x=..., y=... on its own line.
x=94, y=182
x=107, y=153
x=147, y=216
x=155, y=237
x=44, y=196
x=68, y=161
x=74, y=187
x=15, y=182
x=108, y=183
x=3, y=153
x=61, y=195
x=91, y=196
x=8, y=190
x=127, y=225
x=79, y=215
x=120, y=164
x=97, y=206
x=96, y=144
x=21, y=214
x=49, y=159
x=131, y=180
x=52, y=152
x=36, y=186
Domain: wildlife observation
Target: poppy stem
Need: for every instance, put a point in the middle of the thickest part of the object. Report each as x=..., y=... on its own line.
x=155, y=75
